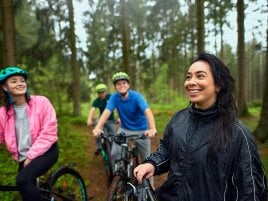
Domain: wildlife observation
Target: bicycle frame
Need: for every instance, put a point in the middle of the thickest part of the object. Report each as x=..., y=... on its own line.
x=124, y=166
x=129, y=153
x=44, y=189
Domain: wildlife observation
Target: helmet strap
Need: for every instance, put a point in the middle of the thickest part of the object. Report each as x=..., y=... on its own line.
x=10, y=98
x=27, y=94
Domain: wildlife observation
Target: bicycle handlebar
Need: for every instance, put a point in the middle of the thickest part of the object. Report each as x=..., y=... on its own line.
x=122, y=138
x=145, y=182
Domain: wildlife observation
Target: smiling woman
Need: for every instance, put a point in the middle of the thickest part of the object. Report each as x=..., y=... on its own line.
x=200, y=85
x=28, y=127
x=209, y=154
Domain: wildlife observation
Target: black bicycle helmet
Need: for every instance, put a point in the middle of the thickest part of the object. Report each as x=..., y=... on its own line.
x=120, y=76
x=12, y=70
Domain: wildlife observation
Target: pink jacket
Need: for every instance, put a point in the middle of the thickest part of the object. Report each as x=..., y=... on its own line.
x=43, y=127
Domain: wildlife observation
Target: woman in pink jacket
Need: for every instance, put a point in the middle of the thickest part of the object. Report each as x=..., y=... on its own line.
x=28, y=127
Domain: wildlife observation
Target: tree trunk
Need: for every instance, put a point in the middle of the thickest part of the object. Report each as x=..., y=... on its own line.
x=241, y=88
x=200, y=26
x=9, y=42
x=75, y=68
x=261, y=132
x=125, y=38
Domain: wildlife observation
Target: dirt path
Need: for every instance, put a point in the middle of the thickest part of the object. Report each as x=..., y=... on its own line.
x=95, y=175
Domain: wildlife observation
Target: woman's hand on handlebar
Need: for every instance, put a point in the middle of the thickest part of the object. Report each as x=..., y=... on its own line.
x=144, y=170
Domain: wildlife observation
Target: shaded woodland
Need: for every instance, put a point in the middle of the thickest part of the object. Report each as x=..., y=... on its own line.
x=152, y=40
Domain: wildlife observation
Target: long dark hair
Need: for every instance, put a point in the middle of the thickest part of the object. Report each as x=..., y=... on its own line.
x=225, y=103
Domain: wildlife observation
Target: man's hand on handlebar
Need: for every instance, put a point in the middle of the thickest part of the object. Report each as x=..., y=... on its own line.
x=150, y=133
x=90, y=122
x=97, y=132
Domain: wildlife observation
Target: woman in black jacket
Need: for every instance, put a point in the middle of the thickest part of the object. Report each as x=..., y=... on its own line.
x=209, y=154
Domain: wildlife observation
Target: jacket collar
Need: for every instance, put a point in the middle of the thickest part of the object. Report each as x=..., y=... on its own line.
x=207, y=115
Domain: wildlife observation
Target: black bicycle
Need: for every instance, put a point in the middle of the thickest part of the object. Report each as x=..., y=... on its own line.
x=64, y=184
x=124, y=166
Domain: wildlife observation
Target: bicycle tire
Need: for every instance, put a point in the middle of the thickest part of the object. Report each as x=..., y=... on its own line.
x=117, y=189
x=135, y=162
x=67, y=185
x=105, y=153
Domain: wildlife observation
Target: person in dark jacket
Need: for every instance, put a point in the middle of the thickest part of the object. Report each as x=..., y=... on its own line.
x=208, y=153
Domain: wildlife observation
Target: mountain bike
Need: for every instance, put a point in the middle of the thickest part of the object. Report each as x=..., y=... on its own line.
x=105, y=150
x=124, y=166
x=64, y=184
x=140, y=192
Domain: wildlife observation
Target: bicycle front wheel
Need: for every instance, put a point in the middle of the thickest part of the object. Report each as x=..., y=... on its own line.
x=117, y=189
x=67, y=184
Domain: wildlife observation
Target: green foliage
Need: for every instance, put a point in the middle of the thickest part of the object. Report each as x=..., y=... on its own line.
x=26, y=26
x=255, y=104
x=162, y=42
x=159, y=91
x=164, y=112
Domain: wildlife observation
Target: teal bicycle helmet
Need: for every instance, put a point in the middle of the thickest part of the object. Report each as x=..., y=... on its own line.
x=12, y=70
x=101, y=88
x=9, y=71
x=120, y=76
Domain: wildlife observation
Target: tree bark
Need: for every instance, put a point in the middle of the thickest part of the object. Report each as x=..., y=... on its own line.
x=9, y=42
x=125, y=38
x=241, y=88
x=200, y=26
x=75, y=68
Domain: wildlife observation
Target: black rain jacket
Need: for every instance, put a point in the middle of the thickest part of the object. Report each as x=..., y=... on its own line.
x=237, y=174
